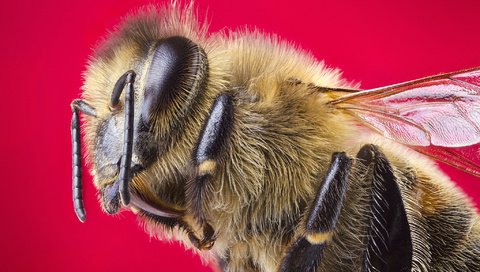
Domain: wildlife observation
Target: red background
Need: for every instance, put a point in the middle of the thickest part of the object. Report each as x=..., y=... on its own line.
x=44, y=48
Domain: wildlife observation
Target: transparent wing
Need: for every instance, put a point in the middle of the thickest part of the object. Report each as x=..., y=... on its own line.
x=437, y=116
x=464, y=158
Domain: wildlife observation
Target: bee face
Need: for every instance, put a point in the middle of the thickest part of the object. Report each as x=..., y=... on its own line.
x=170, y=75
x=173, y=77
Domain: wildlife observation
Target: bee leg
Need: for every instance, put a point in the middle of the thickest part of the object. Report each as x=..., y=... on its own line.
x=209, y=150
x=172, y=223
x=389, y=245
x=305, y=254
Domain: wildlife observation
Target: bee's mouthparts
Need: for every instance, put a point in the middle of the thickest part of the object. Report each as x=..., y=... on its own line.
x=111, y=202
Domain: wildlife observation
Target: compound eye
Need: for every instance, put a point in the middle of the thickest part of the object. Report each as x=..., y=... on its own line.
x=172, y=73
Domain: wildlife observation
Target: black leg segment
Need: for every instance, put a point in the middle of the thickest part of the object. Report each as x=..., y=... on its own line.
x=209, y=150
x=305, y=254
x=216, y=130
x=389, y=243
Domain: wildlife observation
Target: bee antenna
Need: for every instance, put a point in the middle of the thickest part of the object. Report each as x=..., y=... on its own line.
x=117, y=89
x=125, y=166
x=78, y=105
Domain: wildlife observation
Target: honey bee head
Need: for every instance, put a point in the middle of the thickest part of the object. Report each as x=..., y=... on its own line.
x=147, y=79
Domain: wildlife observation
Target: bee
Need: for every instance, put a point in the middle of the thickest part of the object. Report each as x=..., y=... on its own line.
x=255, y=154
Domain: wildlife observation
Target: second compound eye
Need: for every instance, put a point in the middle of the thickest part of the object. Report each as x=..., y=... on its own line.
x=172, y=73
